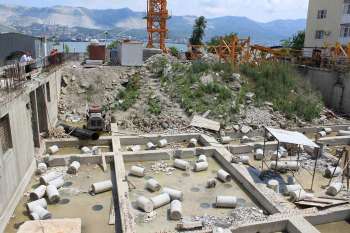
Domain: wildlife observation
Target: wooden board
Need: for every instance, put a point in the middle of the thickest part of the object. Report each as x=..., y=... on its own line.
x=321, y=202
x=205, y=123
x=51, y=226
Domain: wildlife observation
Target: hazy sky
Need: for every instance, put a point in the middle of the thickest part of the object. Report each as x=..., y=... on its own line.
x=260, y=10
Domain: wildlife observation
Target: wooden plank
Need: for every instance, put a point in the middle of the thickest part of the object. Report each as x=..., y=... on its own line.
x=205, y=123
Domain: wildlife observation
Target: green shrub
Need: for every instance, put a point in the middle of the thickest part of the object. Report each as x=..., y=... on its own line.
x=280, y=84
x=174, y=52
x=154, y=105
x=130, y=94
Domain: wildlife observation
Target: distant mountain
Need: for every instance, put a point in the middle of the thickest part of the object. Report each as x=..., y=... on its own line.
x=82, y=21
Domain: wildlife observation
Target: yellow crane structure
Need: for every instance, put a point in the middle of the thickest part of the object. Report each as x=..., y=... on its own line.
x=157, y=16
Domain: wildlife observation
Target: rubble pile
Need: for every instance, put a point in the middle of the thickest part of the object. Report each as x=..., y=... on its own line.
x=237, y=216
x=154, y=123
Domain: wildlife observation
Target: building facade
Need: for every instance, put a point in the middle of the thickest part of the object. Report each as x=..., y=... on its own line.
x=328, y=22
x=12, y=45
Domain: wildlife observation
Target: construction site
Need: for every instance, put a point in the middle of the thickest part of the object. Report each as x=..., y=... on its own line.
x=233, y=137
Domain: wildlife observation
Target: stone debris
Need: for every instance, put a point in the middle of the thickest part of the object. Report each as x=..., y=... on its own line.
x=236, y=216
x=162, y=166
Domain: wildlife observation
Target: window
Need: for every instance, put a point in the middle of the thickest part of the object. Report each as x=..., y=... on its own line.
x=322, y=14
x=319, y=35
x=48, y=93
x=346, y=7
x=345, y=30
x=5, y=134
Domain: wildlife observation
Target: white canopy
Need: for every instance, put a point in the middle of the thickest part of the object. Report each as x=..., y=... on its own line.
x=291, y=137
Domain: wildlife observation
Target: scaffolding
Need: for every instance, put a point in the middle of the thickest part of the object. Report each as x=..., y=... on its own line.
x=157, y=16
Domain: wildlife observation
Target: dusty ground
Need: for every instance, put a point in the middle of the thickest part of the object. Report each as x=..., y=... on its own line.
x=75, y=202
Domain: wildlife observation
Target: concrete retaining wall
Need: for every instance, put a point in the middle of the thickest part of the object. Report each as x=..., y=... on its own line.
x=18, y=164
x=334, y=87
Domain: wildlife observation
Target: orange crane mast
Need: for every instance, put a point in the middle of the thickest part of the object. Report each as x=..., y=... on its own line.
x=157, y=16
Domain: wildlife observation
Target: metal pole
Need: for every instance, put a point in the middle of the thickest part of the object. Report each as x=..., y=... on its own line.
x=330, y=181
x=262, y=161
x=278, y=151
x=313, y=175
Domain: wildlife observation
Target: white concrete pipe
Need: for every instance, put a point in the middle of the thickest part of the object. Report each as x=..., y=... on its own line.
x=330, y=170
x=328, y=130
x=211, y=183
x=193, y=142
x=41, y=202
x=226, y=140
x=41, y=212
x=226, y=201
x=137, y=171
x=174, y=194
x=299, y=195
x=162, y=143
x=101, y=187
x=58, y=183
x=85, y=150
x=45, y=179
x=73, y=167
x=334, y=188
x=153, y=185
x=175, y=210
x=284, y=165
x=41, y=169
x=202, y=158
x=244, y=159
x=53, y=149
x=160, y=200
x=291, y=188
x=181, y=164
x=344, y=133
x=274, y=155
x=274, y=185
x=34, y=216
x=322, y=134
x=52, y=194
x=151, y=146
x=38, y=193
x=259, y=154
x=202, y=166
x=144, y=204
x=223, y=176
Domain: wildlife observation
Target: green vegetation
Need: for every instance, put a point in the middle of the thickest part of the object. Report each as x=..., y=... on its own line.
x=129, y=96
x=174, y=52
x=154, y=105
x=215, y=41
x=113, y=45
x=296, y=42
x=198, y=31
x=197, y=97
x=66, y=48
x=280, y=84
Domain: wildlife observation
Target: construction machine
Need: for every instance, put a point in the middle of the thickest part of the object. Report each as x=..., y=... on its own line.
x=98, y=119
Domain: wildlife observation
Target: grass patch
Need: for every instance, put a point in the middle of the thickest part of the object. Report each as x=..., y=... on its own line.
x=154, y=105
x=129, y=96
x=280, y=84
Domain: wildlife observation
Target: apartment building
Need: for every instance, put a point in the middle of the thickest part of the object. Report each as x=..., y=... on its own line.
x=328, y=22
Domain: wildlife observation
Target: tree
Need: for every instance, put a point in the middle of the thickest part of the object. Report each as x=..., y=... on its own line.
x=113, y=44
x=296, y=42
x=215, y=41
x=66, y=48
x=198, y=31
